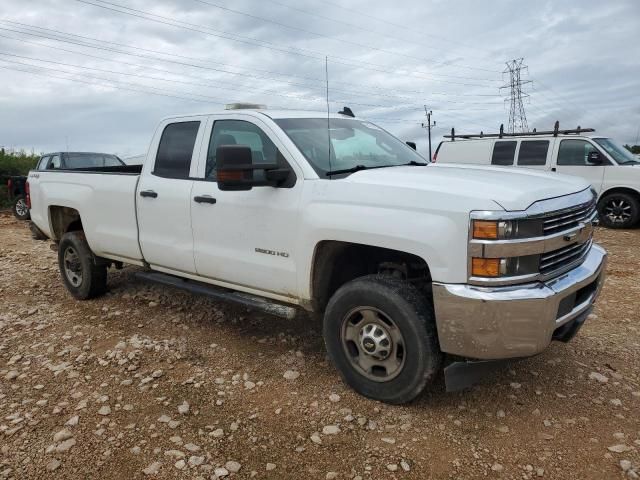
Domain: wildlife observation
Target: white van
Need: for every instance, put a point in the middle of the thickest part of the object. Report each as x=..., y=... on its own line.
x=612, y=170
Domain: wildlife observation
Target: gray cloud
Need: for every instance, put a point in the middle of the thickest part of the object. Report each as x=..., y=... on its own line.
x=582, y=58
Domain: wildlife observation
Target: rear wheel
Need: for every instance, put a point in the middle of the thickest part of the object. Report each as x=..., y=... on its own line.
x=619, y=210
x=81, y=274
x=20, y=208
x=380, y=334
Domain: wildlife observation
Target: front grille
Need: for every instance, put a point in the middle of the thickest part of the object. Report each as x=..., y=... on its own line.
x=559, y=221
x=562, y=257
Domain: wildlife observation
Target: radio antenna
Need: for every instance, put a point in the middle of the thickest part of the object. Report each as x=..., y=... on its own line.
x=326, y=75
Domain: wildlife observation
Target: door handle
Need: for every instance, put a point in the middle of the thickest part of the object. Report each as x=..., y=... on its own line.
x=553, y=169
x=204, y=199
x=148, y=193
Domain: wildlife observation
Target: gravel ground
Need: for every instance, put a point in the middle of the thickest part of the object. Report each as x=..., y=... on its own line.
x=148, y=382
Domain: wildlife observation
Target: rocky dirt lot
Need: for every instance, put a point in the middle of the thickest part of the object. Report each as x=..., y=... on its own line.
x=148, y=382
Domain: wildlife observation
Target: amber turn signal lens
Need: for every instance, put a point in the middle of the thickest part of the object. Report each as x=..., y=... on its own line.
x=485, y=267
x=485, y=229
x=230, y=175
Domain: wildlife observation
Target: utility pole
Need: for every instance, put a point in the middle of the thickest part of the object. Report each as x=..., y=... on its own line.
x=428, y=126
x=517, y=117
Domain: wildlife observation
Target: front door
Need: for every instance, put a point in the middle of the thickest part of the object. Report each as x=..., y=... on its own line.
x=573, y=159
x=164, y=196
x=247, y=238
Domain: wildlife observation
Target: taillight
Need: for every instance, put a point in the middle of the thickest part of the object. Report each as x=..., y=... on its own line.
x=27, y=195
x=9, y=188
x=435, y=157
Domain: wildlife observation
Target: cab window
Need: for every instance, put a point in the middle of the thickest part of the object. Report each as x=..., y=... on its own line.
x=42, y=164
x=54, y=163
x=503, y=153
x=575, y=153
x=240, y=132
x=176, y=149
x=533, y=152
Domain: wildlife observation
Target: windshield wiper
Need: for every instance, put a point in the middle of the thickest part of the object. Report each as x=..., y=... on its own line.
x=357, y=168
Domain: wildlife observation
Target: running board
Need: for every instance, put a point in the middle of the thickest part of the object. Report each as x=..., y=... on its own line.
x=218, y=293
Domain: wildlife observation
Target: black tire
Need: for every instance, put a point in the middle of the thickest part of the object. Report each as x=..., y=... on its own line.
x=81, y=274
x=619, y=210
x=19, y=208
x=411, y=312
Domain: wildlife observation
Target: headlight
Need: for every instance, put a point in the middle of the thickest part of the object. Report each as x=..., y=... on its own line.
x=492, y=229
x=506, y=229
x=504, y=267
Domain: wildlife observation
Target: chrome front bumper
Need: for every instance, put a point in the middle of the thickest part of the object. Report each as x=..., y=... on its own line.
x=515, y=321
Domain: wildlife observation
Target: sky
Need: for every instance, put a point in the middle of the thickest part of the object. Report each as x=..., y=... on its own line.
x=98, y=75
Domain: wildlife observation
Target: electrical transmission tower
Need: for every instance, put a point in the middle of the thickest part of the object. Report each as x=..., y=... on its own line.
x=517, y=117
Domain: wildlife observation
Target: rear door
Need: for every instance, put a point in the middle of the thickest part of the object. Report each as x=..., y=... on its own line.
x=572, y=158
x=164, y=195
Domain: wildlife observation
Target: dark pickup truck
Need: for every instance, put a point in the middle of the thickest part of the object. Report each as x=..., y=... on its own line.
x=18, y=189
x=17, y=196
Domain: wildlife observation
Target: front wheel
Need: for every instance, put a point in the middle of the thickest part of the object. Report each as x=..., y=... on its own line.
x=20, y=208
x=619, y=210
x=81, y=274
x=380, y=334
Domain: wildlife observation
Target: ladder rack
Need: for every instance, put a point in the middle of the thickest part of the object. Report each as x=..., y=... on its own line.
x=555, y=132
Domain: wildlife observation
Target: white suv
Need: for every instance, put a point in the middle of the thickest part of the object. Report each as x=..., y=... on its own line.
x=612, y=170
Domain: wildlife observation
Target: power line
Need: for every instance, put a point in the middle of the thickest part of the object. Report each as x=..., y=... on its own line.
x=49, y=75
x=316, y=55
x=361, y=93
x=132, y=87
x=404, y=27
x=321, y=35
x=314, y=79
x=339, y=101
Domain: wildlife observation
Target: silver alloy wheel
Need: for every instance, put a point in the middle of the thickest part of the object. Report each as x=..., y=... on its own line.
x=72, y=266
x=618, y=210
x=21, y=207
x=373, y=343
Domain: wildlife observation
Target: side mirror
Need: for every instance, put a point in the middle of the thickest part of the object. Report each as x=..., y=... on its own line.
x=412, y=145
x=594, y=158
x=234, y=167
x=235, y=170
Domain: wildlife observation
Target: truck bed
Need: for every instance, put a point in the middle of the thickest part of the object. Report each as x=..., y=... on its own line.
x=105, y=198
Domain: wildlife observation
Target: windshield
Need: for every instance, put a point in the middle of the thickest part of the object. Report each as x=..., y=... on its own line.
x=88, y=160
x=353, y=143
x=617, y=151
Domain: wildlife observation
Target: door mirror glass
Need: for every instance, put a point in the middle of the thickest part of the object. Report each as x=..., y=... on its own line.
x=234, y=167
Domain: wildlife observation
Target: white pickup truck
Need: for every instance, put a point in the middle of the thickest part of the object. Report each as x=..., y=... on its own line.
x=284, y=210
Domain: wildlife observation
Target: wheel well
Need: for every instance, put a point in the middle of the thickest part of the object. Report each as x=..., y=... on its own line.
x=336, y=263
x=63, y=220
x=629, y=191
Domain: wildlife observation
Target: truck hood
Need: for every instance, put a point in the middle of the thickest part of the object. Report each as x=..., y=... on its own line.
x=512, y=189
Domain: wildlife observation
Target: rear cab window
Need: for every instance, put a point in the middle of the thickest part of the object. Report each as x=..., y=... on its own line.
x=42, y=164
x=175, y=150
x=503, y=153
x=533, y=152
